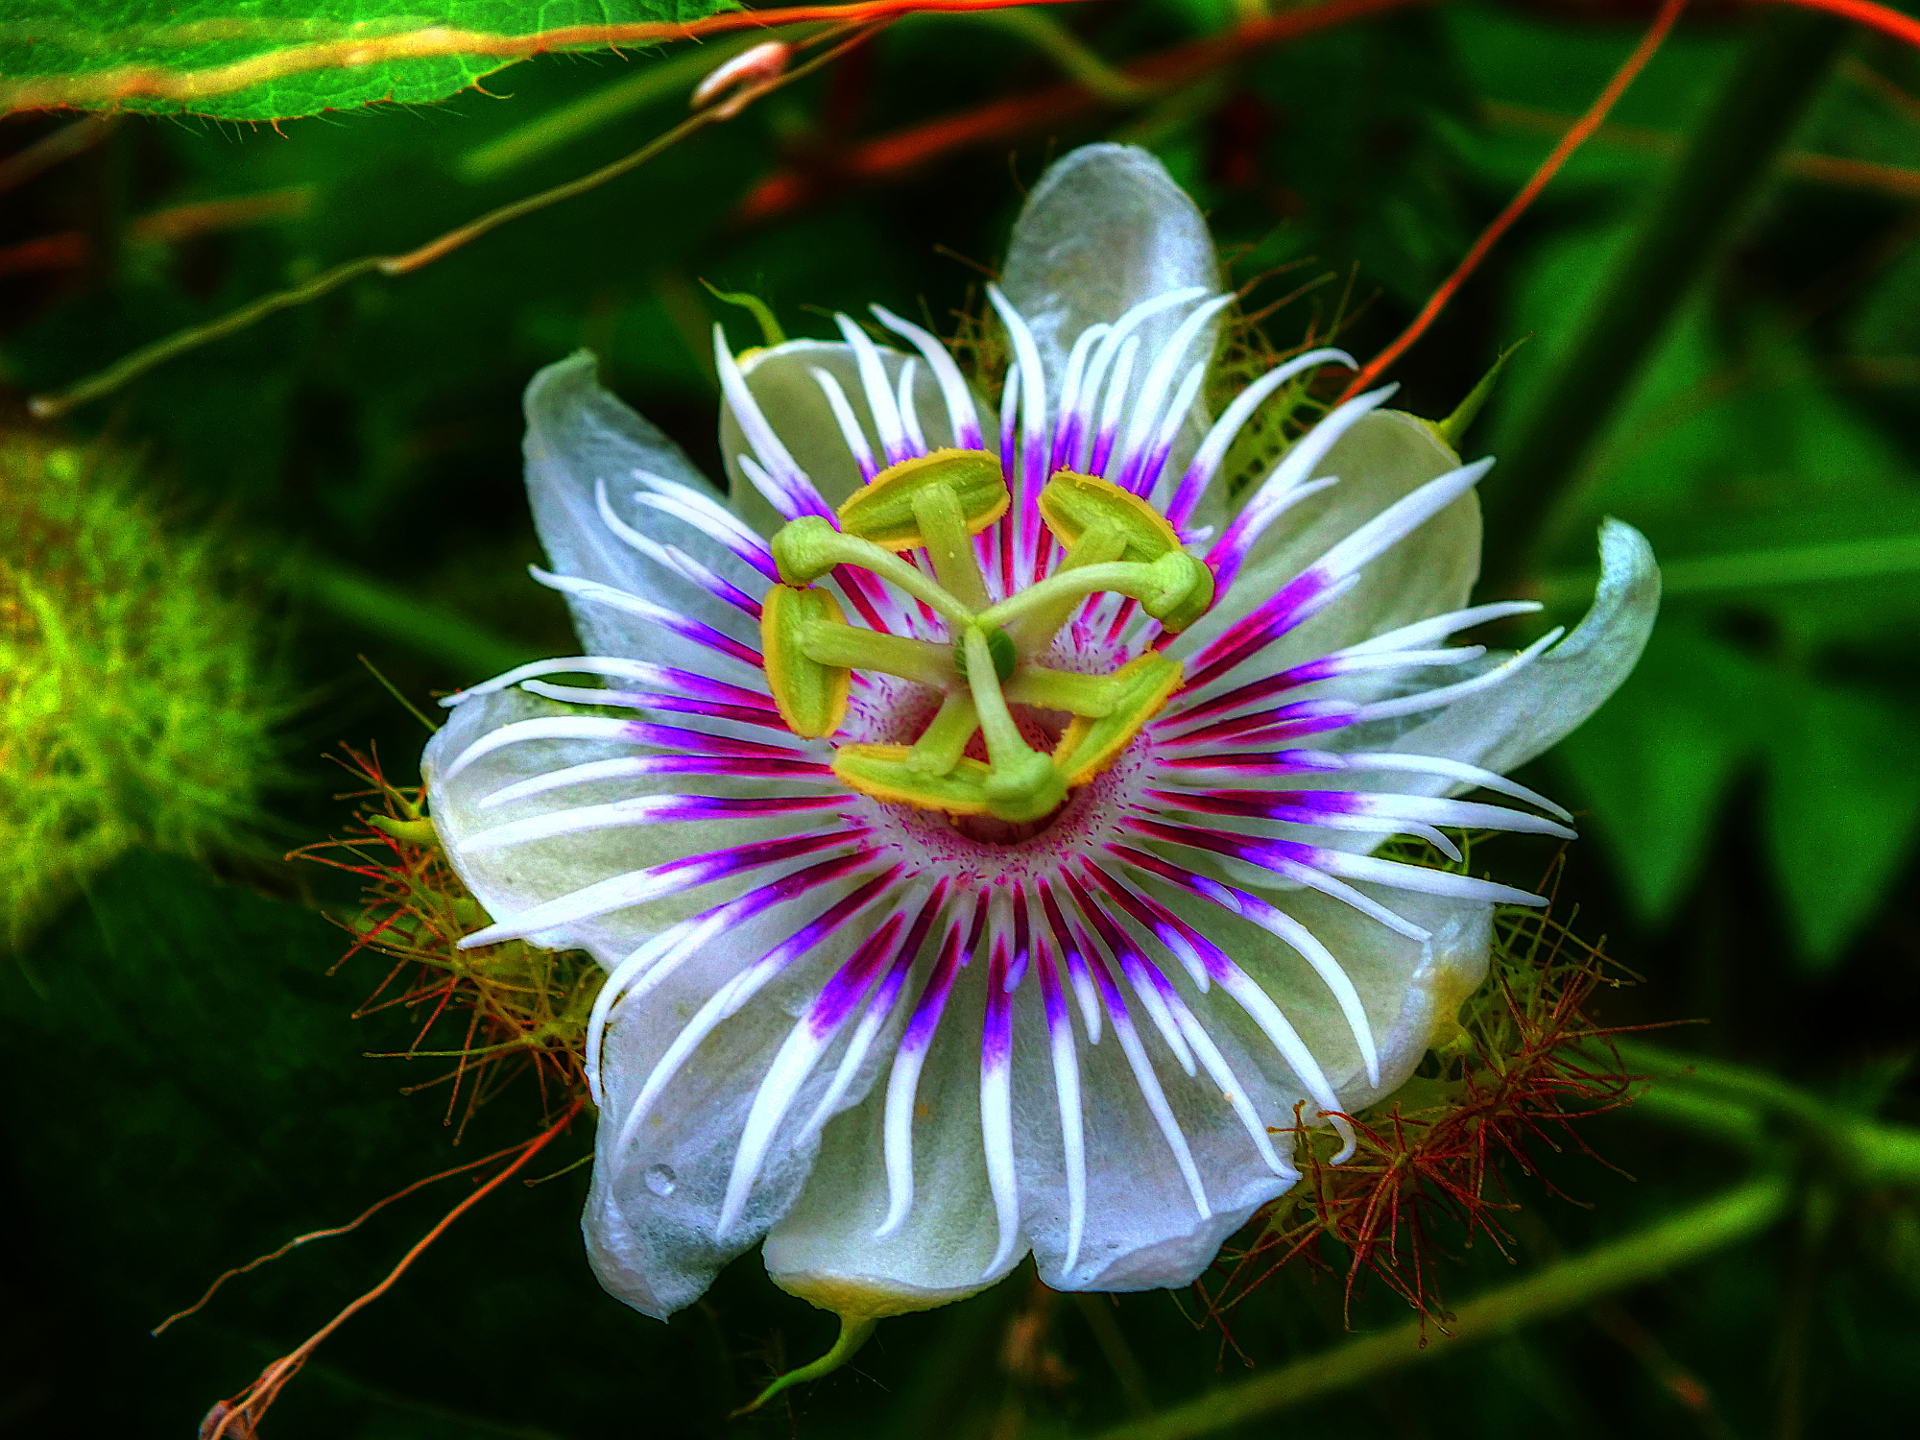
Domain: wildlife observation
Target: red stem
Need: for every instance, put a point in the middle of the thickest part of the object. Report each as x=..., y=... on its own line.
x=1582, y=128
x=261, y=1394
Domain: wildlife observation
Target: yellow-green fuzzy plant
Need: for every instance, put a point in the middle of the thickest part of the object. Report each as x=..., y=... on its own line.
x=135, y=705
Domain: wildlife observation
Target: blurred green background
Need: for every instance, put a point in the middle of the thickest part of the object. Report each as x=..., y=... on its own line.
x=185, y=1082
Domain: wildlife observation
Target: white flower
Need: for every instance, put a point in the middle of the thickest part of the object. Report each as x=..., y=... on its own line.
x=1041, y=939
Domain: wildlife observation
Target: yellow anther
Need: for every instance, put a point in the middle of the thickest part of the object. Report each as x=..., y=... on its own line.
x=884, y=510
x=1140, y=689
x=1072, y=504
x=812, y=697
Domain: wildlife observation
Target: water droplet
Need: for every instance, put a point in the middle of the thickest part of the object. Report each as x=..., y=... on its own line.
x=660, y=1179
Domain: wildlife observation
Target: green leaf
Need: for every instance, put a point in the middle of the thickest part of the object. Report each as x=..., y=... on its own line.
x=1842, y=809
x=1842, y=788
x=277, y=59
x=1653, y=766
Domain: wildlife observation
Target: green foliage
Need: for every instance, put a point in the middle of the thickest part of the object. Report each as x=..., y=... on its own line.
x=136, y=702
x=1789, y=529
x=278, y=59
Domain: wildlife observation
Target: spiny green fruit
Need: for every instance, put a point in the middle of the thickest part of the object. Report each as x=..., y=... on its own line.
x=135, y=705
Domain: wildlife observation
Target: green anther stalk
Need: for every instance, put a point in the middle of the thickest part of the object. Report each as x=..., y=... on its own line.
x=1004, y=741
x=1035, y=630
x=950, y=545
x=944, y=741
x=807, y=548
x=854, y=648
x=1023, y=784
x=1175, y=589
x=1089, y=695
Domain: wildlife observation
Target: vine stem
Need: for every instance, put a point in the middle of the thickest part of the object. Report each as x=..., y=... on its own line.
x=1729, y=1218
x=1883, y=18
x=327, y=1234
x=1682, y=231
x=1575, y=137
x=49, y=407
x=241, y=1416
x=396, y=613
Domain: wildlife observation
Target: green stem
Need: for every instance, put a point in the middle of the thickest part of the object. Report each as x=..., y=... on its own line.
x=950, y=546
x=809, y=547
x=1088, y=695
x=853, y=647
x=51, y=407
x=1005, y=745
x=1034, y=632
x=1069, y=587
x=1730, y=1218
x=1709, y=190
x=944, y=741
x=393, y=614
x=1082, y=65
x=1736, y=1104
x=854, y=1332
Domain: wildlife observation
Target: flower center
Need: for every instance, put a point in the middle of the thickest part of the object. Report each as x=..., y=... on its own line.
x=973, y=759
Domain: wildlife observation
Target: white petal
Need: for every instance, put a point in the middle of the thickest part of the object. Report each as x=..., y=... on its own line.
x=782, y=382
x=825, y=1250
x=652, y=1219
x=1510, y=724
x=508, y=882
x=1384, y=456
x=579, y=436
x=1142, y=1229
x=1406, y=987
x=1103, y=229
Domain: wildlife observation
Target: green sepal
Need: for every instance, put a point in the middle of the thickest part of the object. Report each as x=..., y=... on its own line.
x=754, y=306
x=812, y=697
x=1072, y=504
x=1451, y=429
x=1140, y=689
x=884, y=510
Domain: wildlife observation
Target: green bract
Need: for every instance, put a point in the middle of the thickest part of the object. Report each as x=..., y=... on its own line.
x=135, y=707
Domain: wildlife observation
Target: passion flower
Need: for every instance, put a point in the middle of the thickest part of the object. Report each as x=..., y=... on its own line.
x=978, y=820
